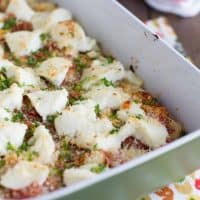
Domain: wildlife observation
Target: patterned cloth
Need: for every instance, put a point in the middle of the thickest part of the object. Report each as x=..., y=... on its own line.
x=189, y=187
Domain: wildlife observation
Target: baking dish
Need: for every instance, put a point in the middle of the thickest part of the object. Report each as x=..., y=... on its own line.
x=166, y=74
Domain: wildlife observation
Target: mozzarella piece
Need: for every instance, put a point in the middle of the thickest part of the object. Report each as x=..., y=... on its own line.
x=99, y=70
x=75, y=175
x=54, y=69
x=132, y=78
x=20, y=9
x=4, y=115
x=107, y=96
x=23, y=174
x=80, y=124
x=22, y=43
x=24, y=76
x=11, y=133
x=112, y=143
x=5, y=64
x=70, y=34
x=11, y=98
x=150, y=131
x=48, y=102
x=44, y=145
x=45, y=21
x=133, y=110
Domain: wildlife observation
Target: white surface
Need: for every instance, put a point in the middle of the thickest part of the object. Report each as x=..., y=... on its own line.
x=186, y=8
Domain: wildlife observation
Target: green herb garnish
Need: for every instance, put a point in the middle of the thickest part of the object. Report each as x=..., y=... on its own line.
x=79, y=64
x=2, y=163
x=97, y=110
x=44, y=37
x=139, y=116
x=114, y=131
x=106, y=82
x=109, y=59
x=98, y=169
x=51, y=118
x=9, y=23
x=18, y=117
x=32, y=61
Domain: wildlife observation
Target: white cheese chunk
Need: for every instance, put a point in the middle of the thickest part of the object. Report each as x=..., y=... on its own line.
x=99, y=70
x=112, y=142
x=107, y=96
x=132, y=78
x=5, y=64
x=4, y=115
x=48, y=102
x=11, y=98
x=22, y=43
x=23, y=174
x=20, y=9
x=150, y=131
x=79, y=122
x=75, y=175
x=54, y=69
x=70, y=34
x=24, y=76
x=43, y=144
x=45, y=21
x=134, y=109
x=11, y=133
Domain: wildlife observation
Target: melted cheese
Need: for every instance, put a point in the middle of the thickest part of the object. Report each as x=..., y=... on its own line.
x=54, y=69
x=132, y=78
x=75, y=175
x=150, y=131
x=48, y=102
x=112, y=143
x=70, y=35
x=4, y=115
x=133, y=110
x=107, y=96
x=5, y=64
x=99, y=70
x=20, y=9
x=79, y=122
x=11, y=133
x=11, y=98
x=43, y=144
x=24, y=76
x=23, y=174
x=45, y=21
x=22, y=43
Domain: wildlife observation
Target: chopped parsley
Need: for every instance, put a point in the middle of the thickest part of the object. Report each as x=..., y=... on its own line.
x=113, y=115
x=10, y=147
x=18, y=117
x=51, y=118
x=139, y=116
x=80, y=65
x=31, y=155
x=106, y=82
x=109, y=59
x=114, y=131
x=97, y=110
x=44, y=37
x=32, y=61
x=2, y=163
x=9, y=23
x=4, y=81
x=98, y=169
x=151, y=102
x=65, y=152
